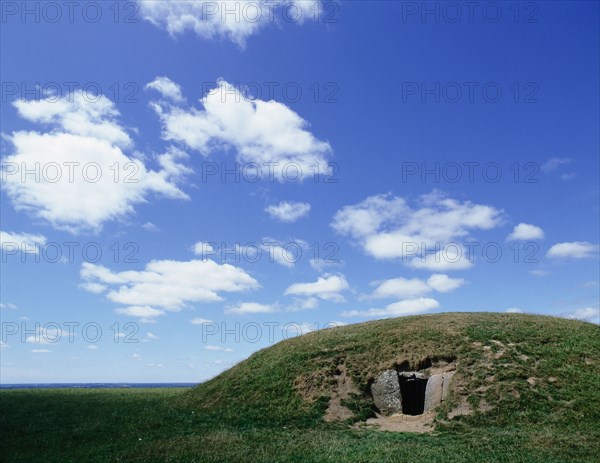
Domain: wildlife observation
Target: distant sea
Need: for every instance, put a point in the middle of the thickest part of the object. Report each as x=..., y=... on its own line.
x=92, y=385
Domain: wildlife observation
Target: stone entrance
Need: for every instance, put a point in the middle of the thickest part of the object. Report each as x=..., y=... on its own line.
x=409, y=392
x=412, y=392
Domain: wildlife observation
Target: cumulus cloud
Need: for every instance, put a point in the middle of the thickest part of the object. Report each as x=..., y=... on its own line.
x=266, y=134
x=82, y=176
x=328, y=288
x=7, y=306
x=167, y=285
x=443, y=283
x=202, y=248
x=244, y=308
x=47, y=335
x=233, y=20
x=556, y=165
x=149, y=226
x=573, y=250
x=321, y=265
x=450, y=257
x=387, y=227
x=590, y=314
x=167, y=88
x=95, y=288
x=285, y=253
x=218, y=348
x=401, y=288
x=22, y=242
x=288, y=211
x=300, y=304
x=145, y=312
x=539, y=273
x=282, y=253
x=525, y=231
x=200, y=321
x=514, y=310
x=397, y=309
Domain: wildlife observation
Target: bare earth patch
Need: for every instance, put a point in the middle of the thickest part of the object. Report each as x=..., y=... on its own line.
x=403, y=423
x=342, y=390
x=463, y=408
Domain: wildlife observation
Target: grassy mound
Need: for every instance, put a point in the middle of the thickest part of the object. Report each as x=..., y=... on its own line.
x=531, y=386
x=510, y=369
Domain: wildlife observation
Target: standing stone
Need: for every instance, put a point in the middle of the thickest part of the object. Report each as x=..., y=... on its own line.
x=445, y=387
x=386, y=392
x=434, y=392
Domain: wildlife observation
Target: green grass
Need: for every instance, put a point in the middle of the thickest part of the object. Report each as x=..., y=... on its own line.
x=269, y=408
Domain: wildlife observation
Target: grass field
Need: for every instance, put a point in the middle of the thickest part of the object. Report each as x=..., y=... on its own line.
x=540, y=377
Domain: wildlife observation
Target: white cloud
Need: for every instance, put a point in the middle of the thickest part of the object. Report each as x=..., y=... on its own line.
x=22, y=242
x=591, y=314
x=37, y=339
x=397, y=309
x=282, y=253
x=218, y=348
x=327, y=288
x=320, y=265
x=243, y=308
x=40, y=351
x=266, y=134
x=149, y=226
x=401, y=288
x=309, y=303
x=200, y=321
x=368, y=217
x=293, y=329
x=202, y=248
x=91, y=346
x=95, y=288
x=168, y=285
x=387, y=227
x=82, y=176
x=136, y=357
x=167, y=88
x=47, y=335
x=151, y=335
x=554, y=164
x=525, y=231
x=572, y=250
x=451, y=257
x=539, y=273
x=514, y=310
x=335, y=324
x=236, y=21
x=443, y=283
x=7, y=306
x=145, y=312
x=288, y=212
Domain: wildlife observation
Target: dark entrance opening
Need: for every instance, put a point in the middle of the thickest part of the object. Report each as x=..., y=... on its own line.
x=412, y=390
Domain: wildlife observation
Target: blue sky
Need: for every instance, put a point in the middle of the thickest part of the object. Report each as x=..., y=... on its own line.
x=414, y=132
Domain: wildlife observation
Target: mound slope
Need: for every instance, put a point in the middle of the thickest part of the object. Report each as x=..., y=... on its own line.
x=508, y=370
